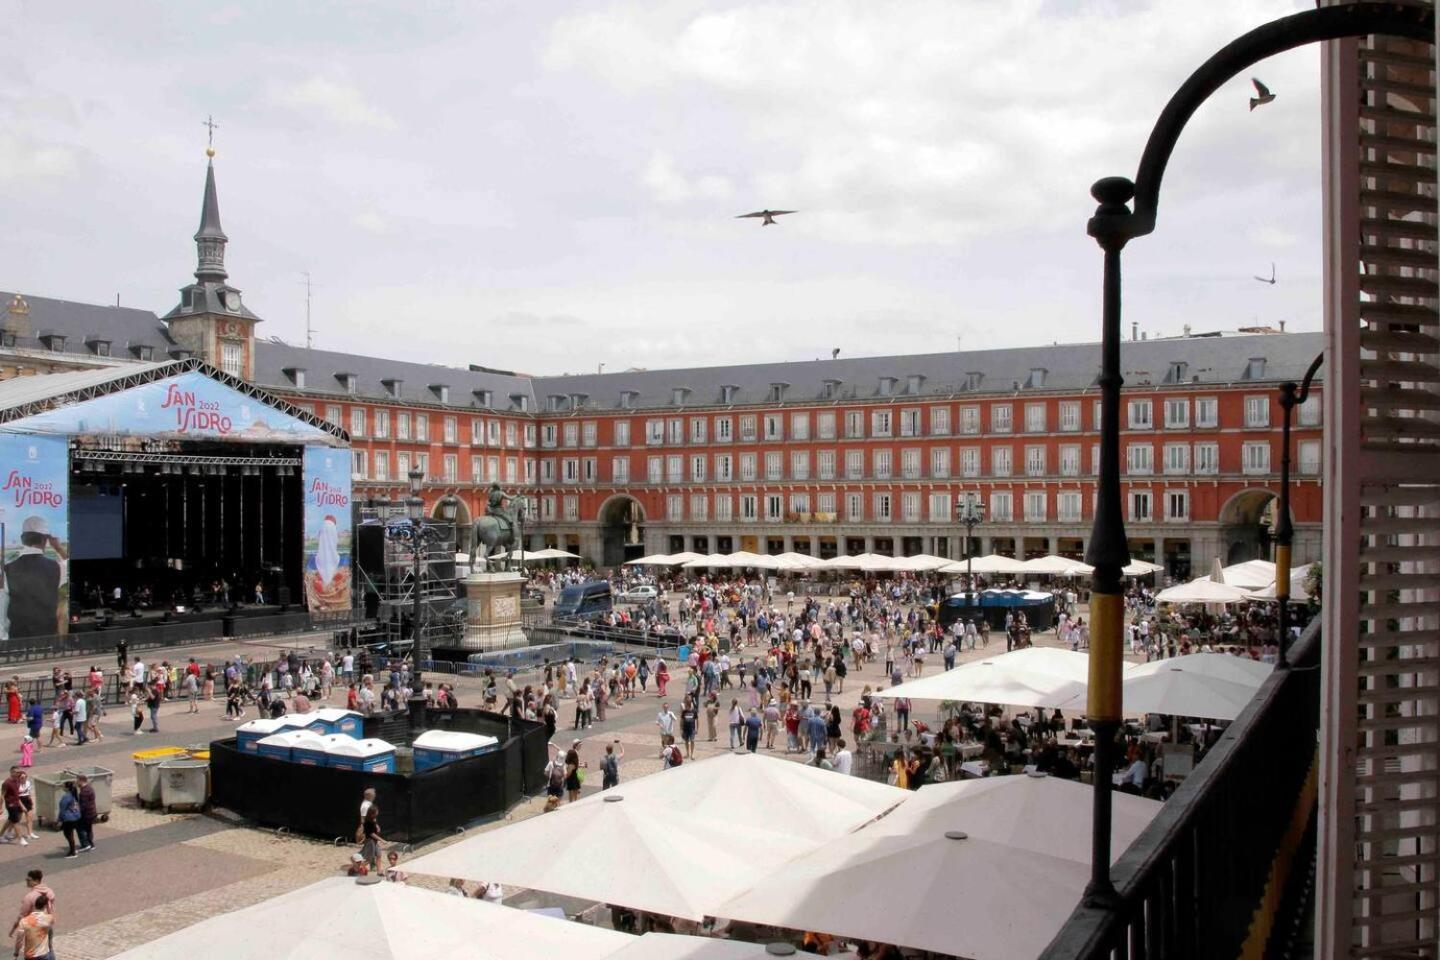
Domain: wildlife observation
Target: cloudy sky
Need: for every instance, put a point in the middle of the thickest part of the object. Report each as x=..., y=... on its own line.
x=549, y=186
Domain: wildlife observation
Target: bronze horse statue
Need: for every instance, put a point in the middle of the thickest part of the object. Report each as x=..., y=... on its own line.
x=495, y=531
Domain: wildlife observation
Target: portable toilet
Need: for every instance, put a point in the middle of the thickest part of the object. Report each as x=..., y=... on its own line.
x=307, y=721
x=436, y=747
x=368, y=756
x=281, y=746
x=316, y=753
x=336, y=720
x=248, y=735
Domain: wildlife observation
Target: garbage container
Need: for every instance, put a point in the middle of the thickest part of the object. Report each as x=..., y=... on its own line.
x=102, y=781
x=48, y=787
x=183, y=783
x=147, y=772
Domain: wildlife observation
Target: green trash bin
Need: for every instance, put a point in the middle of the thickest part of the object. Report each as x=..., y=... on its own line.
x=102, y=781
x=47, y=790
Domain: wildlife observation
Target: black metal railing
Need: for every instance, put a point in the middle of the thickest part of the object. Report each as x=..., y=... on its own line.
x=1190, y=885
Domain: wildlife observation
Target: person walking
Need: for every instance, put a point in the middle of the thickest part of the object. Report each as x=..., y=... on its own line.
x=712, y=710
x=88, y=812
x=737, y=724
x=665, y=720
x=14, y=810
x=70, y=817
x=81, y=713
x=32, y=934
x=689, y=720
x=752, y=730
x=27, y=804
x=610, y=765
x=574, y=776
x=370, y=838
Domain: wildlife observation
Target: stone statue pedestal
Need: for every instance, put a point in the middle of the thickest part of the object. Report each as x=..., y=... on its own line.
x=492, y=619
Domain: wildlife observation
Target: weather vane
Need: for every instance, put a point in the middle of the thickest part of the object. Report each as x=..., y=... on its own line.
x=210, y=124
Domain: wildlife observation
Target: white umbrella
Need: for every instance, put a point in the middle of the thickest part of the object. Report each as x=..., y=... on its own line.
x=744, y=558
x=654, y=560
x=554, y=553
x=924, y=561
x=1215, y=686
x=716, y=560
x=1299, y=593
x=670, y=946
x=339, y=917
x=1203, y=590
x=1139, y=568
x=990, y=563
x=798, y=561
x=987, y=869
x=523, y=556
x=1032, y=677
x=1049, y=564
x=1252, y=574
x=684, y=556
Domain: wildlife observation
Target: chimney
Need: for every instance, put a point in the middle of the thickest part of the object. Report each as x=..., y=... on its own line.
x=1282, y=326
x=1135, y=330
x=1186, y=329
x=1145, y=335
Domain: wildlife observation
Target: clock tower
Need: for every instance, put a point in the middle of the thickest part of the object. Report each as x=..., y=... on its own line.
x=211, y=321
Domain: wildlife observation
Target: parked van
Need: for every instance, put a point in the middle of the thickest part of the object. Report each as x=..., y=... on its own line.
x=584, y=601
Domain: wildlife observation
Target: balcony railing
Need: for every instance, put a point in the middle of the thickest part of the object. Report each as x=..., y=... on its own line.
x=1210, y=872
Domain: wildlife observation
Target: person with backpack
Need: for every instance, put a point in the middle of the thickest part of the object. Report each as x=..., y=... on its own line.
x=554, y=779
x=610, y=765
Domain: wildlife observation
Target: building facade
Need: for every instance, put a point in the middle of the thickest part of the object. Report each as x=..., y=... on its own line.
x=821, y=457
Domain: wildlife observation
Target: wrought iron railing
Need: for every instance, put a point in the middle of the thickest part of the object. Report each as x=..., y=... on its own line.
x=1209, y=873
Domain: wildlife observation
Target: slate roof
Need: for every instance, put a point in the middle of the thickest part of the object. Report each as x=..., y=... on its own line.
x=124, y=327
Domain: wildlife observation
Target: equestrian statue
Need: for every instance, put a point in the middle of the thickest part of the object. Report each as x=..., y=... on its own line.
x=499, y=528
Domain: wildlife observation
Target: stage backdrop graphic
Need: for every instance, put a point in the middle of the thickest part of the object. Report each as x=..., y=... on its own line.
x=189, y=406
x=34, y=535
x=327, y=529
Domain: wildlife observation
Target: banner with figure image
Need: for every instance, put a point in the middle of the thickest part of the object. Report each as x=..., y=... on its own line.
x=34, y=536
x=327, y=529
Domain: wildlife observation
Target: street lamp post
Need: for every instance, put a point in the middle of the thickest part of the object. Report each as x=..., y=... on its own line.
x=1291, y=397
x=970, y=513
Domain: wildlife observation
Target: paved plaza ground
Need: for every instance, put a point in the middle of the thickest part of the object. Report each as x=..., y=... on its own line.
x=153, y=873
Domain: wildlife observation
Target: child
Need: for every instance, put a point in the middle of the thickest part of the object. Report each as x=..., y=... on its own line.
x=137, y=712
x=27, y=751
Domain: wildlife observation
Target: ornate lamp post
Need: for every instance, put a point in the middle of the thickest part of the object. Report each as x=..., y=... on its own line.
x=970, y=513
x=1113, y=225
x=1291, y=397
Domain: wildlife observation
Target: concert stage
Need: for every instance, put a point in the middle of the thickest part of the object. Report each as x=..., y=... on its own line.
x=169, y=490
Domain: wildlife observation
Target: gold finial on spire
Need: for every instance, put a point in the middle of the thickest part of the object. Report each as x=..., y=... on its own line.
x=210, y=137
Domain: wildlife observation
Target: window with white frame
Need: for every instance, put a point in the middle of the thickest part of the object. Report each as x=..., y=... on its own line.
x=1000, y=462
x=940, y=462
x=1002, y=505
x=655, y=470
x=825, y=464
x=910, y=422
x=619, y=469
x=402, y=466
x=1141, y=506
x=699, y=507
x=572, y=434
x=1142, y=415
x=800, y=504
x=1177, y=505
x=1177, y=413
x=747, y=428
x=910, y=506
x=675, y=507
x=570, y=470
x=357, y=421
x=1308, y=456
x=477, y=432
x=724, y=467
x=749, y=510
x=547, y=508
x=884, y=506
x=232, y=358
x=774, y=507
x=1035, y=460
x=529, y=434
x=358, y=465
x=1095, y=459
x=450, y=468
x=697, y=467
x=1308, y=412
x=1035, y=418
x=1067, y=506
x=382, y=465
x=724, y=429
x=699, y=429
x=910, y=463
x=880, y=423
x=674, y=468
x=477, y=469
x=1255, y=457
x=1139, y=458
x=589, y=433
x=939, y=508
x=774, y=465
x=332, y=413
x=800, y=465
x=800, y=425
x=825, y=425
x=1001, y=418
x=969, y=461
x=969, y=419
x=854, y=464
x=724, y=507
x=748, y=465
x=451, y=430
x=1095, y=415
x=529, y=471
x=854, y=424
x=548, y=435
x=654, y=432
x=422, y=427
x=547, y=471
x=774, y=427
x=1177, y=458
x=825, y=503
x=1257, y=411
x=1069, y=415
x=492, y=431
x=402, y=426
x=881, y=464
x=675, y=430
x=492, y=469
x=854, y=507
x=1035, y=506
x=1070, y=460
x=939, y=421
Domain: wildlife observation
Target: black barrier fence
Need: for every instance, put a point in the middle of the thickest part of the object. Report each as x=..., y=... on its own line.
x=325, y=801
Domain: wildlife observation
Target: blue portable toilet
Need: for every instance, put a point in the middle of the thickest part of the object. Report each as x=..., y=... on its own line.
x=248, y=735
x=336, y=720
x=281, y=746
x=307, y=721
x=316, y=753
x=436, y=747
x=368, y=756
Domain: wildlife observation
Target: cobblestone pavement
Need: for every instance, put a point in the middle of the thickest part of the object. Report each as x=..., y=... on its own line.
x=153, y=873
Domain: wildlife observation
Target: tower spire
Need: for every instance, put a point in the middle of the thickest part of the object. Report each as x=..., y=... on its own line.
x=210, y=239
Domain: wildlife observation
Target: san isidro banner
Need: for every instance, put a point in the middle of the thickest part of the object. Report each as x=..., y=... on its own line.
x=327, y=529
x=34, y=536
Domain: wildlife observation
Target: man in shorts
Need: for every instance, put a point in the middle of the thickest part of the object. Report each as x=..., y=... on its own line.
x=14, y=810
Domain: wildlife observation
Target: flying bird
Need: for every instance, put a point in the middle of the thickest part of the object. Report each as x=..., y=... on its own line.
x=769, y=215
x=1271, y=279
x=1265, y=96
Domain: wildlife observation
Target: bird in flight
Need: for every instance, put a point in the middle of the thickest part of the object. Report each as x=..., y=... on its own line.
x=1271, y=279
x=768, y=215
x=1265, y=96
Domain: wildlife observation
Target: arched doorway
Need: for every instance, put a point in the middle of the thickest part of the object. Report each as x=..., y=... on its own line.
x=1247, y=523
x=452, y=509
x=622, y=530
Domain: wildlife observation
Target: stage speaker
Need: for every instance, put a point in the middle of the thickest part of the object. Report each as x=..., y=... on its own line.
x=282, y=595
x=370, y=551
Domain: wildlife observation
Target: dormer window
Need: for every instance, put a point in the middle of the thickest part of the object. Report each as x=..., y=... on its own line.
x=727, y=393
x=678, y=396
x=99, y=347
x=179, y=353
x=392, y=387
x=142, y=351
x=483, y=398
x=53, y=341
x=830, y=389
x=1255, y=370
x=1036, y=380
x=914, y=382
x=1178, y=369
x=777, y=392
x=577, y=400
x=346, y=381
x=520, y=401
x=296, y=375
x=973, y=380
x=627, y=399
x=555, y=402
x=7, y=338
x=887, y=386
x=441, y=392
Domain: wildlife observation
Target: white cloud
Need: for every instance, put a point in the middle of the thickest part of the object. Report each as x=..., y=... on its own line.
x=669, y=186
x=371, y=222
x=24, y=161
x=339, y=103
